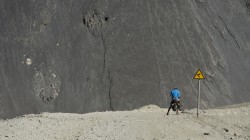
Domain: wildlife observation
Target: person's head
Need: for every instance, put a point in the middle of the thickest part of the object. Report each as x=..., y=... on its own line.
x=175, y=88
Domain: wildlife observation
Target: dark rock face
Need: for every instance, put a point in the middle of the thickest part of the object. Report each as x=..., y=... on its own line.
x=93, y=55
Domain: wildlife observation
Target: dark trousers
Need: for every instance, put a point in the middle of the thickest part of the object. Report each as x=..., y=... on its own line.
x=172, y=103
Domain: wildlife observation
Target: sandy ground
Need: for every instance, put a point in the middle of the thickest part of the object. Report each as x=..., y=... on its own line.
x=147, y=123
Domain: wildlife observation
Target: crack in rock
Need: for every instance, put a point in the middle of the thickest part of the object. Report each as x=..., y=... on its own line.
x=96, y=21
x=230, y=33
x=110, y=88
x=104, y=55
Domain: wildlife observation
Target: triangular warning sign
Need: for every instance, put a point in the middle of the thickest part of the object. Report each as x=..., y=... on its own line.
x=199, y=75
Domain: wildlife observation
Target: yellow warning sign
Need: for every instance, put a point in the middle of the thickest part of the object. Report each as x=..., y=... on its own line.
x=199, y=75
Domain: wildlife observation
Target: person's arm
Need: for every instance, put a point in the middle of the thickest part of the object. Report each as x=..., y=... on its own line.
x=179, y=95
x=171, y=95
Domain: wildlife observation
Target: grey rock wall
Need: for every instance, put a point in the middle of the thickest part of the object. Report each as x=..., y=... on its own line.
x=93, y=55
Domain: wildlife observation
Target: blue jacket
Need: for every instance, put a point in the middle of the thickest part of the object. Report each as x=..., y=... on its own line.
x=175, y=94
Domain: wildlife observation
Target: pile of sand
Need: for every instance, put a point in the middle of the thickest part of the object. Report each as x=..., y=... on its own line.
x=150, y=108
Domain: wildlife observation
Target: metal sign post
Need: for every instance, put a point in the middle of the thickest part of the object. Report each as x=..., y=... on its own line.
x=199, y=76
x=198, y=98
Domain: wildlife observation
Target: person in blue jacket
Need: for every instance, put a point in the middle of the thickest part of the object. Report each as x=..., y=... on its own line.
x=175, y=98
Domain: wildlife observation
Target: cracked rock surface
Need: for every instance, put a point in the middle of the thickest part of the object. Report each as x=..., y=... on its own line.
x=83, y=55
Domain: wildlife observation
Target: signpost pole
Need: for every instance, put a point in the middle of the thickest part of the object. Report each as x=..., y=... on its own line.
x=199, y=76
x=198, y=98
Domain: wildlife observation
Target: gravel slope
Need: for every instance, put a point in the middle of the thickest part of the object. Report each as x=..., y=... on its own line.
x=148, y=122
